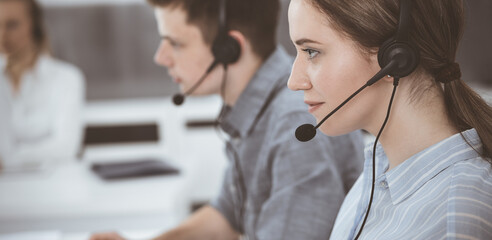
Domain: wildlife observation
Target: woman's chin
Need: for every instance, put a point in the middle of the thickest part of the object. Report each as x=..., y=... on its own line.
x=334, y=130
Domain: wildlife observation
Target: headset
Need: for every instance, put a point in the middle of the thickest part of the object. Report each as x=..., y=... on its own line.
x=225, y=49
x=398, y=58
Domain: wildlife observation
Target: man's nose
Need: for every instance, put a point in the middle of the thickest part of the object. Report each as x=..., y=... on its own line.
x=163, y=55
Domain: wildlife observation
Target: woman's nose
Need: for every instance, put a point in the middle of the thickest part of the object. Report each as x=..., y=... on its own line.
x=298, y=80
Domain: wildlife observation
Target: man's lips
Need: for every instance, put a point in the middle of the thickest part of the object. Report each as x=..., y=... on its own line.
x=176, y=79
x=174, y=76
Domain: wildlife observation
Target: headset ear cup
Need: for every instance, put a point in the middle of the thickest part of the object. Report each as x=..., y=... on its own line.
x=404, y=53
x=226, y=49
x=382, y=53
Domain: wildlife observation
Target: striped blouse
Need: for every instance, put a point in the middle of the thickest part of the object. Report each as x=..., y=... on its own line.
x=443, y=192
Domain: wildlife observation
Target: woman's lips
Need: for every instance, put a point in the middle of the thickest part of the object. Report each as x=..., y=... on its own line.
x=313, y=106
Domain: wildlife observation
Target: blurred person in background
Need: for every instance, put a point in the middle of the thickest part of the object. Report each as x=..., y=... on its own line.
x=41, y=98
x=275, y=187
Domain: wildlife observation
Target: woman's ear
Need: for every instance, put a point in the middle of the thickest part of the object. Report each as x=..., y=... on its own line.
x=373, y=58
x=388, y=78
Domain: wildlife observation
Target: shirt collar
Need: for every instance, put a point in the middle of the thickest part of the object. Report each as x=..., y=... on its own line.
x=412, y=174
x=238, y=120
x=41, y=66
x=3, y=66
x=3, y=61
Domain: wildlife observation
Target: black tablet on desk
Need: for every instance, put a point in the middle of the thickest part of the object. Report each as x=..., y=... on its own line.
x=133, y=169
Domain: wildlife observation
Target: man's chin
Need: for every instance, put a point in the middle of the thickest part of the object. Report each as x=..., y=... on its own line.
x=199, y=93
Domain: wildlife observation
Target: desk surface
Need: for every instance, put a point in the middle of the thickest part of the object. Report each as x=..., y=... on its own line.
x=71, y=198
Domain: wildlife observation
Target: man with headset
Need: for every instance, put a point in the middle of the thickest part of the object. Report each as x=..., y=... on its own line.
x=275, y=186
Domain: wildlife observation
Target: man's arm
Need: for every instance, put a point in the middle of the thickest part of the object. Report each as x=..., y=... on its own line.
x=206, y=223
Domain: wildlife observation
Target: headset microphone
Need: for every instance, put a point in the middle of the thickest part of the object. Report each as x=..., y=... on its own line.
x=179, y=98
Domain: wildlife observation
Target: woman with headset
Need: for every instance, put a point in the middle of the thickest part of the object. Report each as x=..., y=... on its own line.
x=430, y=176
x=41, y=98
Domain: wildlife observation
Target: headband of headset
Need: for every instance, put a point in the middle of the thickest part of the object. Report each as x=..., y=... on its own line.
x=398, y=48
x=226, y=49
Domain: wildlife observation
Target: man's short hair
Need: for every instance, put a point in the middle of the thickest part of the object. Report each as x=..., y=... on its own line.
x=255, y=19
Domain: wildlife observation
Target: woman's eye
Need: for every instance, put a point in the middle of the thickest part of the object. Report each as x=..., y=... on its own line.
x=311, y=53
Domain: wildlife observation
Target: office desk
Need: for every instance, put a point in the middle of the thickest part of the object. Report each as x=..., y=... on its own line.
x=70, y=198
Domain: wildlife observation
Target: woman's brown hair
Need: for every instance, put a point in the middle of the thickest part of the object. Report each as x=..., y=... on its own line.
x=437, y=27
x=38, y=29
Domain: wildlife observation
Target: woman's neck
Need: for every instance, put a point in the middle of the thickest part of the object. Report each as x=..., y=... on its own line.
x=415, y=126
x=19, y=63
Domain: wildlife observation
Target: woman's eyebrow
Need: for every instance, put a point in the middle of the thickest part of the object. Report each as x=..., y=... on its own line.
x=305, y=40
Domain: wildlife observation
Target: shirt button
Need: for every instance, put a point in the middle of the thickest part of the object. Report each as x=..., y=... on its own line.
x=384, y=184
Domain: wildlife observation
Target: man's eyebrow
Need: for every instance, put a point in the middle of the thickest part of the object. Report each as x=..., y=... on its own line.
x=166, y=37
x=305, y=40
x=171, y=40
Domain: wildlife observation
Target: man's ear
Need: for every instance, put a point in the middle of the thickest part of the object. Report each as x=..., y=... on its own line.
x=241, y=39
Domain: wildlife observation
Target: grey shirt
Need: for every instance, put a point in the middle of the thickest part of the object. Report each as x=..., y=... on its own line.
x=276, y=187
